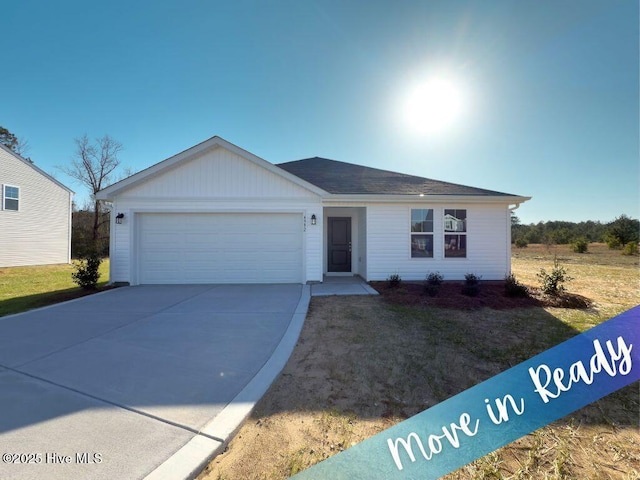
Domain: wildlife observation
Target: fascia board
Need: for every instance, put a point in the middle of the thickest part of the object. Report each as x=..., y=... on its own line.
x=354, y=198
x=111, y=191
x=36, y=168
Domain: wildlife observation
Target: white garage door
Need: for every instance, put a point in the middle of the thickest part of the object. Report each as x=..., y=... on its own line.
x=220, y=248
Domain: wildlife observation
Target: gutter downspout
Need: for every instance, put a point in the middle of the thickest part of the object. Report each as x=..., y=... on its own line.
x=70, y=234
x=510, y=210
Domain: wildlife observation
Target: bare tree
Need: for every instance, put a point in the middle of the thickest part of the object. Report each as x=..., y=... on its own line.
x=93, y=165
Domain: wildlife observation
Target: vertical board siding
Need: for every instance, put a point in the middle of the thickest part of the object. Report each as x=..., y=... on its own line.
x=120, y=247
x=388, y=243
x=312, y=249
x=221, y=173
x=39, y=232
x=217, y=181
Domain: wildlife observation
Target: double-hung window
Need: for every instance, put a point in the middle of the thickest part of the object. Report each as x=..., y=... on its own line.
x=455, y=233
x=421, y=233
x=10, y=198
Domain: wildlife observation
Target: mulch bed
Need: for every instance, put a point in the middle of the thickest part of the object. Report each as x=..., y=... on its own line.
x=71, y=294
x=490, y=295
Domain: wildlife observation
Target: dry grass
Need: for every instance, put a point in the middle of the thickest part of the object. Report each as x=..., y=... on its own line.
x=362, y=365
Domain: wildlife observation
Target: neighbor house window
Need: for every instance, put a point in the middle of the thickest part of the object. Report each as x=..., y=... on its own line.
x=455, y=233
x=421, y=233
x=11, y=198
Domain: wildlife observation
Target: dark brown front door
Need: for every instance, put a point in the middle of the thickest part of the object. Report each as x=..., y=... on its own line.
x=339, y=244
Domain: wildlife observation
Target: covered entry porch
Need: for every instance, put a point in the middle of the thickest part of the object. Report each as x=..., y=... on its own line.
x=345, y=242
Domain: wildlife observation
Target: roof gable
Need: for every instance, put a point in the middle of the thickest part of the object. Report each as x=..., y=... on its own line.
x=319, y=176
x=140, y=182
x=34, y=167
x=346, y=178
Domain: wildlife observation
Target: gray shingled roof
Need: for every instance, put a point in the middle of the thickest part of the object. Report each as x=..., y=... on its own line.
x=346, y=178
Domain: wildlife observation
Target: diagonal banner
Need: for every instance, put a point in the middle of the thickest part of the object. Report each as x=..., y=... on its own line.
x=497, y=411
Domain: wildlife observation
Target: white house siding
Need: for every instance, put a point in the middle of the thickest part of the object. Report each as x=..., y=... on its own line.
x=217, y=173
x=39, y=233
x=313, y=243
x=362, y=242
x=218, y=181
x=389, y=251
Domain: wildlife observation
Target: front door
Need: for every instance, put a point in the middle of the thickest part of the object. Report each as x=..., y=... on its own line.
x=339, y=244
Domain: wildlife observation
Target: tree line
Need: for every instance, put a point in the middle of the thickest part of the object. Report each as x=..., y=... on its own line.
x=94, y=165
x=616, y=233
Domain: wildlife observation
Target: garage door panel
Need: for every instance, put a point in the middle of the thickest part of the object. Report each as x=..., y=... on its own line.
x=220, y=248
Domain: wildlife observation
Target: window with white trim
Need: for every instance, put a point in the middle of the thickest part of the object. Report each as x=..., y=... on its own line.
x=455, y=233
x=11, y=198
x=421, y=233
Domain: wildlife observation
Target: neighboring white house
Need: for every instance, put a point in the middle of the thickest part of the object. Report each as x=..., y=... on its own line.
x=35, y=214
x=218, y=214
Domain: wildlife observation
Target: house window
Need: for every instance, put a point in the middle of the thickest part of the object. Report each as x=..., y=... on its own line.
x=11, y=198
x=421, y=233
x=455, y=233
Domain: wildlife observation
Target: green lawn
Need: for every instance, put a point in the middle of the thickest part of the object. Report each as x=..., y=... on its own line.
x=25, y=288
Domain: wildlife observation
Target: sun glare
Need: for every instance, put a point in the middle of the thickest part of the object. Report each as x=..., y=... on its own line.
x=433, y=106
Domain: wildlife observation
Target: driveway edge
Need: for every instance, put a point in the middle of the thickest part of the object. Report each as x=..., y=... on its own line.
x=193, y=457
x=47, y=307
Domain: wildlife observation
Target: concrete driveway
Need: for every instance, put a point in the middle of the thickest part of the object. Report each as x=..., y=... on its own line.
x=139, y=381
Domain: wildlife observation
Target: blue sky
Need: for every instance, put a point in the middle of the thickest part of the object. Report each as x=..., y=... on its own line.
x=550, y=88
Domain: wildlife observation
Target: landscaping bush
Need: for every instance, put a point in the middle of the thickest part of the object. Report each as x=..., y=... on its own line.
x=393, y=281
x=86, y=274
x=521, y=242
x=553, y=283
x=432, y=283
x=580, y=245
x=630, y=248
x=513, y=288
x=471, y=285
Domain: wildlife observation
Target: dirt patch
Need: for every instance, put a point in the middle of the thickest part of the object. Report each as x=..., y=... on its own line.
x=335, y=391
x=363, y=364
x=489, y=295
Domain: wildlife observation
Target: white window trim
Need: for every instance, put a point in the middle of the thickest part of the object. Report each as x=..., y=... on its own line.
x=4, y=186
x=445, y=233
x=432, y=233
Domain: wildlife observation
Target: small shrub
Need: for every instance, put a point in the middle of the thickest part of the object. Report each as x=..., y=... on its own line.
x=393, y=281
x=432, y=283
x=612, y=242
x=553, y=283
x=581, y=245
x=630, y=248
x=513, y=288
x=472, y=279
x=521, y=242
x=471, y=285
x=86, y=274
